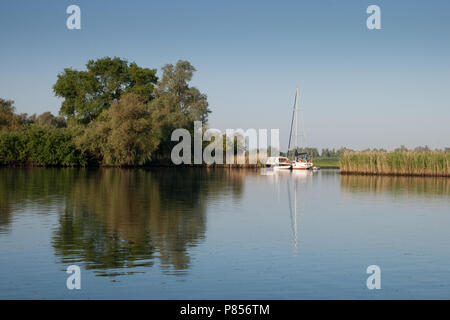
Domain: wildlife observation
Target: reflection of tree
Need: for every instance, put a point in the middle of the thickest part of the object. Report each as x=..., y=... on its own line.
x=396, y=184
x=5, y=213
x=31, y=187
x=117, y=218
x=83, y=237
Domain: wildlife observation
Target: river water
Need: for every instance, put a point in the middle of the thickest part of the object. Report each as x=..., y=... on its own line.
x=179, y=233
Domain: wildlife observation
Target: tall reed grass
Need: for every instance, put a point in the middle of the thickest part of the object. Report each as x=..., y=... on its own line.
x=408, y=163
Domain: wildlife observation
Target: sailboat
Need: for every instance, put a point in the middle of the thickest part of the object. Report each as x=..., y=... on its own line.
x=301, y=160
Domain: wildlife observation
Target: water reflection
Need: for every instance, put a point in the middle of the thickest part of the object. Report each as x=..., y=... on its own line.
x=116, y=220
x=230, y=233
x=396, y=185
x=37, y=189
x=296, y=189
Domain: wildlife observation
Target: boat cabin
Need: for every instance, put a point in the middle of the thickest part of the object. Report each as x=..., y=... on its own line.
x=302, y=157
x=278, y=162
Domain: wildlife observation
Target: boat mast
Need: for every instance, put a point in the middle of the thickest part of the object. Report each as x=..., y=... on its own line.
x=292, y=123
x=296, y=120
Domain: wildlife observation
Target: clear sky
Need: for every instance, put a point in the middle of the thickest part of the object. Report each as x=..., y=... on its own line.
x=360, y=88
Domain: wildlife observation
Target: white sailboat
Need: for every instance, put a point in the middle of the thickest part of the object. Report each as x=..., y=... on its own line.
x=279, y=163
x=301, y=160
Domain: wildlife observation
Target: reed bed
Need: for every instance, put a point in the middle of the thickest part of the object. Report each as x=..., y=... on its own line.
x=406, y=163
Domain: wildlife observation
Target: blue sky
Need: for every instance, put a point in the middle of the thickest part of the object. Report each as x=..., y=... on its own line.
x=360, y=88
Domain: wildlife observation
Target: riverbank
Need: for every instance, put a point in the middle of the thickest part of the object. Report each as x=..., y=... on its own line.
x=324, y=165
x=408, y=163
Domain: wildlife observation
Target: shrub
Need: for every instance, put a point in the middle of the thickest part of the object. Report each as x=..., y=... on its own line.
x=33, y=145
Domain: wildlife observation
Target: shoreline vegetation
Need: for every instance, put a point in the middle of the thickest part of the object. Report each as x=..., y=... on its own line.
x=113, y=113
x=434, y=163
x=118, y=114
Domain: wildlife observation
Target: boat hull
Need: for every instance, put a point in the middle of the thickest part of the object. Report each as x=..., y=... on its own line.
x=302, y=166
x=282, y=167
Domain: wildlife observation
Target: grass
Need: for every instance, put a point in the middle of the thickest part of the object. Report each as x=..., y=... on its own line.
x=408, y=163
x=326, y=162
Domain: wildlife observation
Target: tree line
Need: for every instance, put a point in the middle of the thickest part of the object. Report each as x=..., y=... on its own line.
x=336, y=154
x=325, y=153
x=116, y=113
x=113, y=113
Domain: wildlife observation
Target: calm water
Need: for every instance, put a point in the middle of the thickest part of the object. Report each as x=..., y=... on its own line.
x=220, y=234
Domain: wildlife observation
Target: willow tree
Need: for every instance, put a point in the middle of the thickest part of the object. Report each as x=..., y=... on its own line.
x=176, y=103
x=123, y=135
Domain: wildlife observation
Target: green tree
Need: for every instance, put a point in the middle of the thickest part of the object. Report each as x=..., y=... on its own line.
x=422, y=149
x=125, y=134
x=87, y=93
x=343, y=150
x=176, y=104
x=47, y=119
x=312, y=152
x=8, y=118
x=34, y=145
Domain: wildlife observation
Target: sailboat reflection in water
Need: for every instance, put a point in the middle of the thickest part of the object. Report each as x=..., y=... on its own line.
x=296, y=196
x=296, y=182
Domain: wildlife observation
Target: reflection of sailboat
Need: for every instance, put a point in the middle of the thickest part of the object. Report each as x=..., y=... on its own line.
x=296, y=198
x=293, y=213
x=293, y=207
